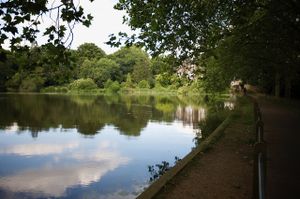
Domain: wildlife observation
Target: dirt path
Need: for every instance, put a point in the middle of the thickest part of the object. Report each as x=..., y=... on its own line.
x=225, y=171
x=282, y=134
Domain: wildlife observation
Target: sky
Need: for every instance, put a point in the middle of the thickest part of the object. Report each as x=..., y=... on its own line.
x=106, y=21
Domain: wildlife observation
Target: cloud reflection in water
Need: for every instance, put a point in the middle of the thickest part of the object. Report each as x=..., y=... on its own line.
x=38, y=149
x=52, y=179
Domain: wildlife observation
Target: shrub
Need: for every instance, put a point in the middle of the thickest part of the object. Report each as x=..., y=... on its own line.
x=197, y=86
x=172, y=87
x=82, y=85
x=143, y=84
x=184, y=90
x=163, y=79
x=54, y=89
x=112, y=87
x=128, y=83
x=176, y=81
x=108, y=83
x=32, y=84
x=14, y=83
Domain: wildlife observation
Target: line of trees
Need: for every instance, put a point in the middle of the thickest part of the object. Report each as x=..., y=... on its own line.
x=87, y=68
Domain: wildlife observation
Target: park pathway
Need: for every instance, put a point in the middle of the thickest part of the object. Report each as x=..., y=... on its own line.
x=224, y=171
x=282, y=134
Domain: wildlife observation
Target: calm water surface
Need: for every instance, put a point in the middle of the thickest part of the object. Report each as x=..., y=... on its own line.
x=56, y=146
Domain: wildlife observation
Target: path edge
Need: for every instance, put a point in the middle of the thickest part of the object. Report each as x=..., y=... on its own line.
x=156, y=186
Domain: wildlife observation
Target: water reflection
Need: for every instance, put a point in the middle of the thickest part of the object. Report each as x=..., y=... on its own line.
x=71, y=164
x=89, y=114
x=53, y=181
x=38, y=149
x=62, y=146
x=190, y=116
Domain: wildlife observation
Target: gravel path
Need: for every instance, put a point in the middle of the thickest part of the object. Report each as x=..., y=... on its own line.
x=282, y=134
x=225, y=171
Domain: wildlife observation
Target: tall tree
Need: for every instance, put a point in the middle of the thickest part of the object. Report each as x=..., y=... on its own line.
x=100, y=70
x=130, y=58
x=88, y=51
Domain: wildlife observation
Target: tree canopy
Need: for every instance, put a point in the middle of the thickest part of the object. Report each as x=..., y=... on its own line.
x=257, y=41
x=88, y=51
x=182, y=27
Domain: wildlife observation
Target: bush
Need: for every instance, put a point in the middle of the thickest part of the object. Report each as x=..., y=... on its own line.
x=54, y=89
x=111, y=86
x=14, y=83
x=83, y=85
x=159, y=88
x=128, y=83
x=197, y=86
x=163, y=79
x=176, y=81
x=32, y=84
x=115, y=87
x=172, y=87
x=108, y=83
x=125, y=89
x=184, y=90
x=143, y=84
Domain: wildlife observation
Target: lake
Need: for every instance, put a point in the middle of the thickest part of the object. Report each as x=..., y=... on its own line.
x=61, y=146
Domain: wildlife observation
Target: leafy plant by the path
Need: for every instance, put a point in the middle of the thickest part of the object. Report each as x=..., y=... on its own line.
x=158, y=170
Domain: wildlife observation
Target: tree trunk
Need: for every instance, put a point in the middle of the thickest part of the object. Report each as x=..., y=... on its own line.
x=277, y=84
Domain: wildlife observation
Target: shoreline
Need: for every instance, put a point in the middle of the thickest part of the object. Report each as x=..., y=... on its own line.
x=166, y=185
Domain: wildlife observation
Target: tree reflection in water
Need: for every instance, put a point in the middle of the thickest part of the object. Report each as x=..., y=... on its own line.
x=217, y=111
x=90, y=114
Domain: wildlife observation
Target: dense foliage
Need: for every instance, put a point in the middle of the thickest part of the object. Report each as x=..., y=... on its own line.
x=88, y=69
x=256, y=41
x=195, y=45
